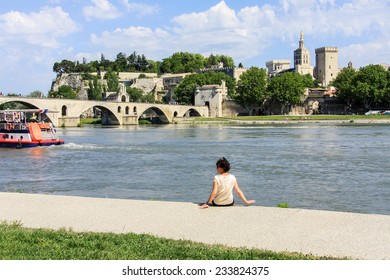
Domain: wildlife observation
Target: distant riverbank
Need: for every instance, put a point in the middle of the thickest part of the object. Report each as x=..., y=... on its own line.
x=376, y=119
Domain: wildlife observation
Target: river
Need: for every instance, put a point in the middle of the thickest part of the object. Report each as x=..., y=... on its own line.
x=337, y=167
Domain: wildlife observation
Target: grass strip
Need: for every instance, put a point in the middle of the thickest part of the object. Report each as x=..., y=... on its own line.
x=84, y=121
x=18, y=243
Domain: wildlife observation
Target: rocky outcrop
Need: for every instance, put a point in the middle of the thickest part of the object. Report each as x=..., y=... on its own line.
x=75, y=81
x=148, y=85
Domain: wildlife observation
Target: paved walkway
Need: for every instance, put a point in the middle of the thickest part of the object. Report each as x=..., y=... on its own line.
x=323, y=233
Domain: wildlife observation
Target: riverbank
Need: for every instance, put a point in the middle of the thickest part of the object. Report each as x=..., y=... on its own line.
x=358, y=119
x=320, y=233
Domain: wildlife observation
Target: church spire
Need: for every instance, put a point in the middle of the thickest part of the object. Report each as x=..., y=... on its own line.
x=301, y=41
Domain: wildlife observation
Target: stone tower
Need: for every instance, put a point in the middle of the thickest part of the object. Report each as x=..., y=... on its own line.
x=302, y=58
x=327, y=66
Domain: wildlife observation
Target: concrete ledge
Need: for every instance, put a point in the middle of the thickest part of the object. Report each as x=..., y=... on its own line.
x=323, y=233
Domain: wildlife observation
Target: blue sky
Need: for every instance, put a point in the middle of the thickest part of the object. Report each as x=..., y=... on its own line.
x=35, y=34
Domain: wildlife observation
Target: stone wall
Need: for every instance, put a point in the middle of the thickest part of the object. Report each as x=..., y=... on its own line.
x=231, y=109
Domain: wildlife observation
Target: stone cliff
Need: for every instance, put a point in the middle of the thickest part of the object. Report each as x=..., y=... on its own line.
x=75, y=81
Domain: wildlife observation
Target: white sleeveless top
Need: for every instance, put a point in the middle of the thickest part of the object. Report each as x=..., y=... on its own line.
x=225, y=189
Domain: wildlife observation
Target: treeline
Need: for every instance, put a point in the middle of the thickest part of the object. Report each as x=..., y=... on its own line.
x=364, y=89
x=253, y=91
x=358, y=90
x=256, y=90
x=179, y=62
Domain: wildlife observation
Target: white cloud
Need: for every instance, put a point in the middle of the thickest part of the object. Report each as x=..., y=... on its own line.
x=140, y=9
x=140, y=39
x=42, y=28
x=219, y=17
x=251, y=31
x=367, y=53
x=102, y=9
x=359, y=28
x=28, y=42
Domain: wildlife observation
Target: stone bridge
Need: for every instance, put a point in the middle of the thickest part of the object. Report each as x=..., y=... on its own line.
x=69, y=111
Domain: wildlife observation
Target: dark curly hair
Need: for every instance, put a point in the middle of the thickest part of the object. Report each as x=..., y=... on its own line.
x=224, y=164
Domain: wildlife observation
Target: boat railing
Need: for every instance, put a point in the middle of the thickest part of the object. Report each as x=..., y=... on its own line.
x=13, y=126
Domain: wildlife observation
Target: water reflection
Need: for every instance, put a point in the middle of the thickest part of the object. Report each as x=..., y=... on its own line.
x=36, y=152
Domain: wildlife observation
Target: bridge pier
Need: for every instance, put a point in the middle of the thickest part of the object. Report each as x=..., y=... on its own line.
x=130, y=120
x=67, y=121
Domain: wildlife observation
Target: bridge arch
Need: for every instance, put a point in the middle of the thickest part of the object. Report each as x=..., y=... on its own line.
x=108, y=117
x=155, y=115
x=192, y=113
x=29, y=105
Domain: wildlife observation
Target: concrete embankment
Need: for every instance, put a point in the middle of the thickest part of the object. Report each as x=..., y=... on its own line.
x=322, y=233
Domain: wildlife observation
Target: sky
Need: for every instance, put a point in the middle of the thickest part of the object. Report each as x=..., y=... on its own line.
x=36, y=34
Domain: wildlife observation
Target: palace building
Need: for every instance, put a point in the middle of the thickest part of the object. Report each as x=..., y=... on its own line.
x=327, y=66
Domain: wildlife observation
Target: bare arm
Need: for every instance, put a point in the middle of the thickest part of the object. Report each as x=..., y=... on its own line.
x=241, y=194
x=212, y=196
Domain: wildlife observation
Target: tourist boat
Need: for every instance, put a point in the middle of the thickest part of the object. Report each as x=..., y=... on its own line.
x=27, y=128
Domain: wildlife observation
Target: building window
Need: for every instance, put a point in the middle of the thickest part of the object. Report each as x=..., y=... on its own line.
x=64, y=110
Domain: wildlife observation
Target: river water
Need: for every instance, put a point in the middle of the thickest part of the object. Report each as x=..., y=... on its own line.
x=337, y=167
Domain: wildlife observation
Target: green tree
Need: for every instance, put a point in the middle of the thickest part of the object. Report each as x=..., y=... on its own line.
x=344, y=83
x=104, y=63
x=65, y=66
x=252, y=89
x=386, y=97
x=371, y=85
x=149, y=98
x=112, y=81
x=227, y=61
x=36, y=94
x=142, y=63
x=63, y=91
x=287, y=89
x=120, y=64
x=309, y=82
x=135, y=94
x=185, y=91
x=95, y=90
x=182, y=62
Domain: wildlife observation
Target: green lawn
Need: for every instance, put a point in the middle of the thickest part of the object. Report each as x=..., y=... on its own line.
x=18, y=243
x=84, y=121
